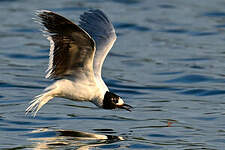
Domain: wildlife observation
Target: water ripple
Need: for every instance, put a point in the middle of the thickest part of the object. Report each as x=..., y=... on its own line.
x=176, y=31
x=119, y=55
x=105, y=131
x=127, y=1
x=44, y=134
x=167, y=6
x=9, y=0
x=215, y=14
x=205, y=118
x=163, y=136
x=69, y=9
x=131, y=27
x=194, y=78
x=8, y=129
x=197, y=33
x=203, y=92
x=137, y=88
x=6, y=85
x=26, y=30
x=25, y=56
x=143, y=146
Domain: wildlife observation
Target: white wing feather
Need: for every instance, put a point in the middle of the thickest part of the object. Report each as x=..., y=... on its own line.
x=100, y=28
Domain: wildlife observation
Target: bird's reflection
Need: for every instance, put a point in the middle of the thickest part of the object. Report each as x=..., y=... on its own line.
x=46, y=138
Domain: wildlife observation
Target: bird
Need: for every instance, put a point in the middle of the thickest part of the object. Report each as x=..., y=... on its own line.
x=76, y=56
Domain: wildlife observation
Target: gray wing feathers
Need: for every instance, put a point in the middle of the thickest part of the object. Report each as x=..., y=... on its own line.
x=100, y=28
x=71, y=48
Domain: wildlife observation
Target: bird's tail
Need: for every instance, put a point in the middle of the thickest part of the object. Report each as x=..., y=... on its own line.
x=40, y=100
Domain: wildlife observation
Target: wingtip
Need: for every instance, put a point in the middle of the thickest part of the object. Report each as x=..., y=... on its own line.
x=38, y=12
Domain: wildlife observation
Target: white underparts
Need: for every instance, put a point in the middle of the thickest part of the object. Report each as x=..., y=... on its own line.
x=120, y=102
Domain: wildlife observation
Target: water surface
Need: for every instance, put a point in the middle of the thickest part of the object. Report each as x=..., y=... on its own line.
x=168, y=62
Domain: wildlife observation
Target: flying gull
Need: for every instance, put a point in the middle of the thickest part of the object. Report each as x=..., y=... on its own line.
x=77, y=53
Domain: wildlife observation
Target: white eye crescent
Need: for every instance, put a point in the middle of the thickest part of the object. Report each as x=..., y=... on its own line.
x=120, y=102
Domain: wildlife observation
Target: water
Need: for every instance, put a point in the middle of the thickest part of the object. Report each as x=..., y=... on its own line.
x=168, y=63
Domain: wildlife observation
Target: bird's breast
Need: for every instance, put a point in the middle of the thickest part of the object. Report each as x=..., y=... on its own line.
x=79, y=90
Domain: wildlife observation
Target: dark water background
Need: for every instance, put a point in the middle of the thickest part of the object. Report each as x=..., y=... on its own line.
x=168, y=62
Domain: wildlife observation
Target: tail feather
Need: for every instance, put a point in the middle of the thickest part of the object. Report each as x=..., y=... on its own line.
x=40, y=100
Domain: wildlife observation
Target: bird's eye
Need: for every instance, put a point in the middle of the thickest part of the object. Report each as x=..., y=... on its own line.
x=115, y=100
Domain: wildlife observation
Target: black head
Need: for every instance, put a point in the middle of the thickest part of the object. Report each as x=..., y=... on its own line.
x=113, y=101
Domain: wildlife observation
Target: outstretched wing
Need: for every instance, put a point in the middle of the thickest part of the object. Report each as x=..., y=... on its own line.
x=71, y=48
x=100, y=28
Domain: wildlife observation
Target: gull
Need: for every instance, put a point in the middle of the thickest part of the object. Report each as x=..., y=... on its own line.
x=77, y=53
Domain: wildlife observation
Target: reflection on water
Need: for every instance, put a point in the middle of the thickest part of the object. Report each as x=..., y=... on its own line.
x=45, y=138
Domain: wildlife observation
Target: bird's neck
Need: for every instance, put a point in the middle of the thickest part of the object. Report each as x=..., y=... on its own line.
x=98, y=102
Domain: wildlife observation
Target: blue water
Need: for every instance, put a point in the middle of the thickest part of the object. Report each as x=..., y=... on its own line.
x=168, y=62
